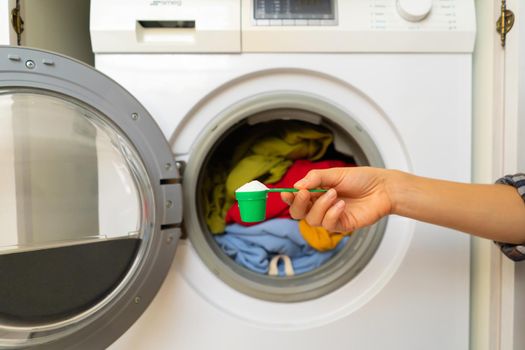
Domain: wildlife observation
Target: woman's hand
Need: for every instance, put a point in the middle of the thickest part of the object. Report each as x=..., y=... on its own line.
x=357, y=197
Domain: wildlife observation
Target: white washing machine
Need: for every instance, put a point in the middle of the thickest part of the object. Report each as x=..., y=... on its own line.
x=104, y=197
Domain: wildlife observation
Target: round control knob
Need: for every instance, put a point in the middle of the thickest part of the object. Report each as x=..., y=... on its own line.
x=414, y=10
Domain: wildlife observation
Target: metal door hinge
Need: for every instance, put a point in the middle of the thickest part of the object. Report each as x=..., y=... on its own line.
x=505, y=22
x=17, y=22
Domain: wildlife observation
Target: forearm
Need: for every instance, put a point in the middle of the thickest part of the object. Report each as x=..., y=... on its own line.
x=492, y=211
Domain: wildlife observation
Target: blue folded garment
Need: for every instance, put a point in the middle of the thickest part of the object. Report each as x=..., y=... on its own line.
x=254, y=246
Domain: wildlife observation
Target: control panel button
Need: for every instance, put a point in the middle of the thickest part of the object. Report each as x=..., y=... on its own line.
x=414, y=10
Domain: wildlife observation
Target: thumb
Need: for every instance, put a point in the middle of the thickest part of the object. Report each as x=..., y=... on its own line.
x=319, y=178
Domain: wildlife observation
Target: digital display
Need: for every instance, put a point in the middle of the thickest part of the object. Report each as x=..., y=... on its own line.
x=294, y=9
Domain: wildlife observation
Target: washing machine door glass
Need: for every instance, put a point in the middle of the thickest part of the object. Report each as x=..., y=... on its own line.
x=90, y=204
x=69, y=178
x=72, y=192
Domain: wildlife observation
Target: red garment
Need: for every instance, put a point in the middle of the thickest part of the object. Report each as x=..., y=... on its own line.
x=275, y=207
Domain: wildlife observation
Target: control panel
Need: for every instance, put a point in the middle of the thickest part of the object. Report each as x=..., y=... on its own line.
x=358, y=25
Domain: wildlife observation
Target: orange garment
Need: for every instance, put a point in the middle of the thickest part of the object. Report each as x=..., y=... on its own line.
x=319, y=238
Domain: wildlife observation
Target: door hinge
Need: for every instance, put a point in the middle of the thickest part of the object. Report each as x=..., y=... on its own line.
x=17, y=22
x=505, y=22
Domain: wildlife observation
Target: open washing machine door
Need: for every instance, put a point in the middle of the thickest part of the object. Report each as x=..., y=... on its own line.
x=90, y=203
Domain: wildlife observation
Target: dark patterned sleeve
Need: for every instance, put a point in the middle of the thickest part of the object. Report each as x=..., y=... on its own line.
x=515, y=252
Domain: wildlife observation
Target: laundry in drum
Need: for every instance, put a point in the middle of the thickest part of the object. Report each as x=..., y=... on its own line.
x=252, y=199
x=245, y=214
x=255, y=247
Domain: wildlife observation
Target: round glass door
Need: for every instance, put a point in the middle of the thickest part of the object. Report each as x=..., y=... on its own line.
x=82, y=213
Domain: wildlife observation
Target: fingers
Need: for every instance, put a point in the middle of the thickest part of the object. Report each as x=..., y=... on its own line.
x=317, y=212
x=322, y=212
x=301, y=204
x=331, y=220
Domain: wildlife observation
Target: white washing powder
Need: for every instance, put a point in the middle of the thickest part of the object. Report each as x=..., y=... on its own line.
x=252, y=186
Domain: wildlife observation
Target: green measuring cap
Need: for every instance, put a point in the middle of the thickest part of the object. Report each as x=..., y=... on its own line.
x=252, y=205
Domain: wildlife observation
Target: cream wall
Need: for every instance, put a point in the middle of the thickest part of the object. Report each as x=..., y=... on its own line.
x=487, y=112
x=498, y=284
x=58, y=25
x=513, y=302
x=519, y=314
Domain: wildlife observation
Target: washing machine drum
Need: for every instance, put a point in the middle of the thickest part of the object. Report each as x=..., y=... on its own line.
x=90, y=204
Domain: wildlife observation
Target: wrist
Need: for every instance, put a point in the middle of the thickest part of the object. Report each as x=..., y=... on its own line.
x=397, y=185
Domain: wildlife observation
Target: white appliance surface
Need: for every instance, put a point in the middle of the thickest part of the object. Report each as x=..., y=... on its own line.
x=414, y=293
x=415, y=289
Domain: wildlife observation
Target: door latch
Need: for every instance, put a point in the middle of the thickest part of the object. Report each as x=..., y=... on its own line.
x=505, y=22
x=17, y=22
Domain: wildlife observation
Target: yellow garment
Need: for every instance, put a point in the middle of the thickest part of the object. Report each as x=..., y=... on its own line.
x=214, y=197
x=319, y=238
x=265, y=156
x=269, y=157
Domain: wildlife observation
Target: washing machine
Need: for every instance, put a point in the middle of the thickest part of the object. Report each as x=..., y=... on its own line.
x=103, y=174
